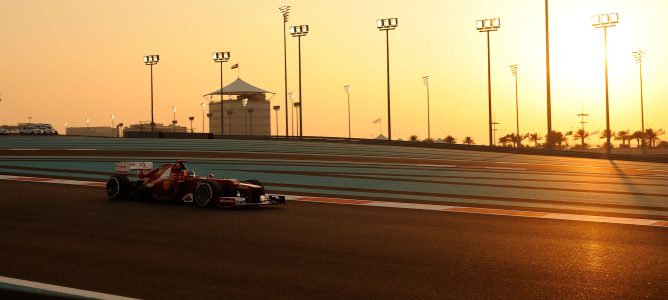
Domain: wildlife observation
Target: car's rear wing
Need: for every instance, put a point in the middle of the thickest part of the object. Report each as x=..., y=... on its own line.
x=125, y=167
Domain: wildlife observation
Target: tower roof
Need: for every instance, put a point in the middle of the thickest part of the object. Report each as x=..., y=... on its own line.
x=239, y=88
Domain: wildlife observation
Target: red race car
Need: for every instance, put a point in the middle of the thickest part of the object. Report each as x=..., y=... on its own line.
x=175, y=183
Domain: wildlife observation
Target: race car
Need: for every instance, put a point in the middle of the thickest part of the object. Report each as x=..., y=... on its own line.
x=173, y=182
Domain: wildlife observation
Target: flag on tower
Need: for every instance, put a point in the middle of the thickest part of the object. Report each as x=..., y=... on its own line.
x=234, y=66
x=376, y=121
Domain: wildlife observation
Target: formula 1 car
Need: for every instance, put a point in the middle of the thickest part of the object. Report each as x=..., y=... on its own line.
x=173, y=182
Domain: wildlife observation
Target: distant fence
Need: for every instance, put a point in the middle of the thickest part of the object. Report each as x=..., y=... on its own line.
x=662, y=158
x=167, y=135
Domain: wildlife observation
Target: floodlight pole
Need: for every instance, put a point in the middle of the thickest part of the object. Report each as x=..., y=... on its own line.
x=298, y=32
x=486, y=26
x=348, y=90
x=489, y=90
x=426, y=80
x=151, y=60
x=607, y=93
x=513, y=69
x=152, y=122
x=301, y=108
x=387, y=25
x=547, y=71
x=285, y=11
x=389, y=114
x=222, y=119
x=600, y=22
x=639, y=57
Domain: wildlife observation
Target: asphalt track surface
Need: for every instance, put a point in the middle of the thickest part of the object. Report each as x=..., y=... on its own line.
x=73, y=236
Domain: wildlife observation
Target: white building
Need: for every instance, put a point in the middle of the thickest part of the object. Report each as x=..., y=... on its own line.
x=253, y=118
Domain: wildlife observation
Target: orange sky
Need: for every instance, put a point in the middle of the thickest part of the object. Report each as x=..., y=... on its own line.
x=65, y=60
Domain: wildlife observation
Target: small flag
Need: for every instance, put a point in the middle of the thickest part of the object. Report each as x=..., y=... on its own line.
x=234, y=66
x=376, y=121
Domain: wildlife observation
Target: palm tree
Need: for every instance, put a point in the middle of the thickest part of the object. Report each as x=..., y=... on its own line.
x=517, y=139
x=512, y=139
x=623, y=135
x=637, y=136
x=652, y=136
x=558, y=138
x=414, y=138
x=469, y=141
x=450, y=139
x=535, y=138
x=504, y=140
x=581, y=134
x=605, y=134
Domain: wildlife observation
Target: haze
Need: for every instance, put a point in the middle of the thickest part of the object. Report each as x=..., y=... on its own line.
x=65, y=60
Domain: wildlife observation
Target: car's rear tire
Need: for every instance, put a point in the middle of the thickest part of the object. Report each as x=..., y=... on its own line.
x=118, y=187
x=255, y=182
x=207, y=194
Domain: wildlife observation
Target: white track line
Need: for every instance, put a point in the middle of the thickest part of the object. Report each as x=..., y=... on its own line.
x=487, y=211
x=405, y=205
x=60, y=289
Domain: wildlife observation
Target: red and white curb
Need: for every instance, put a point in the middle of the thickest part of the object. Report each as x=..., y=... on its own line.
x=404, y=205
x=42, y=288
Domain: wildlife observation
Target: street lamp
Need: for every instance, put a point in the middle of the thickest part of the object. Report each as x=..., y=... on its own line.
x=513, y=69
x=276, y=109
x=29, y=120
x=113, y=118
x=639, y=56
x=292, y=120
x=151, y=60
x=88, y=126
x=387, y=25
x=427, y=81
x=174, y=118
x=245, y=104
x=348, y=89
x=221, y=57
x=299, y=32
x=285, y=11
x=202, y=106
x=191, y=123
x=487, y=26
x=604, y=21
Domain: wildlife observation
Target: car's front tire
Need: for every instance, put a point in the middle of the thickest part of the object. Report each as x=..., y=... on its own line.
x=118, y=187
x=207, y=193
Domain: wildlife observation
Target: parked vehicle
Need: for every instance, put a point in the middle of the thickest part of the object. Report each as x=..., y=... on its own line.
x=4, y=131
x=30, y=130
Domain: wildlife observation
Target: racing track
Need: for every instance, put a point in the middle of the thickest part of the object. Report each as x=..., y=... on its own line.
x=72, y=236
